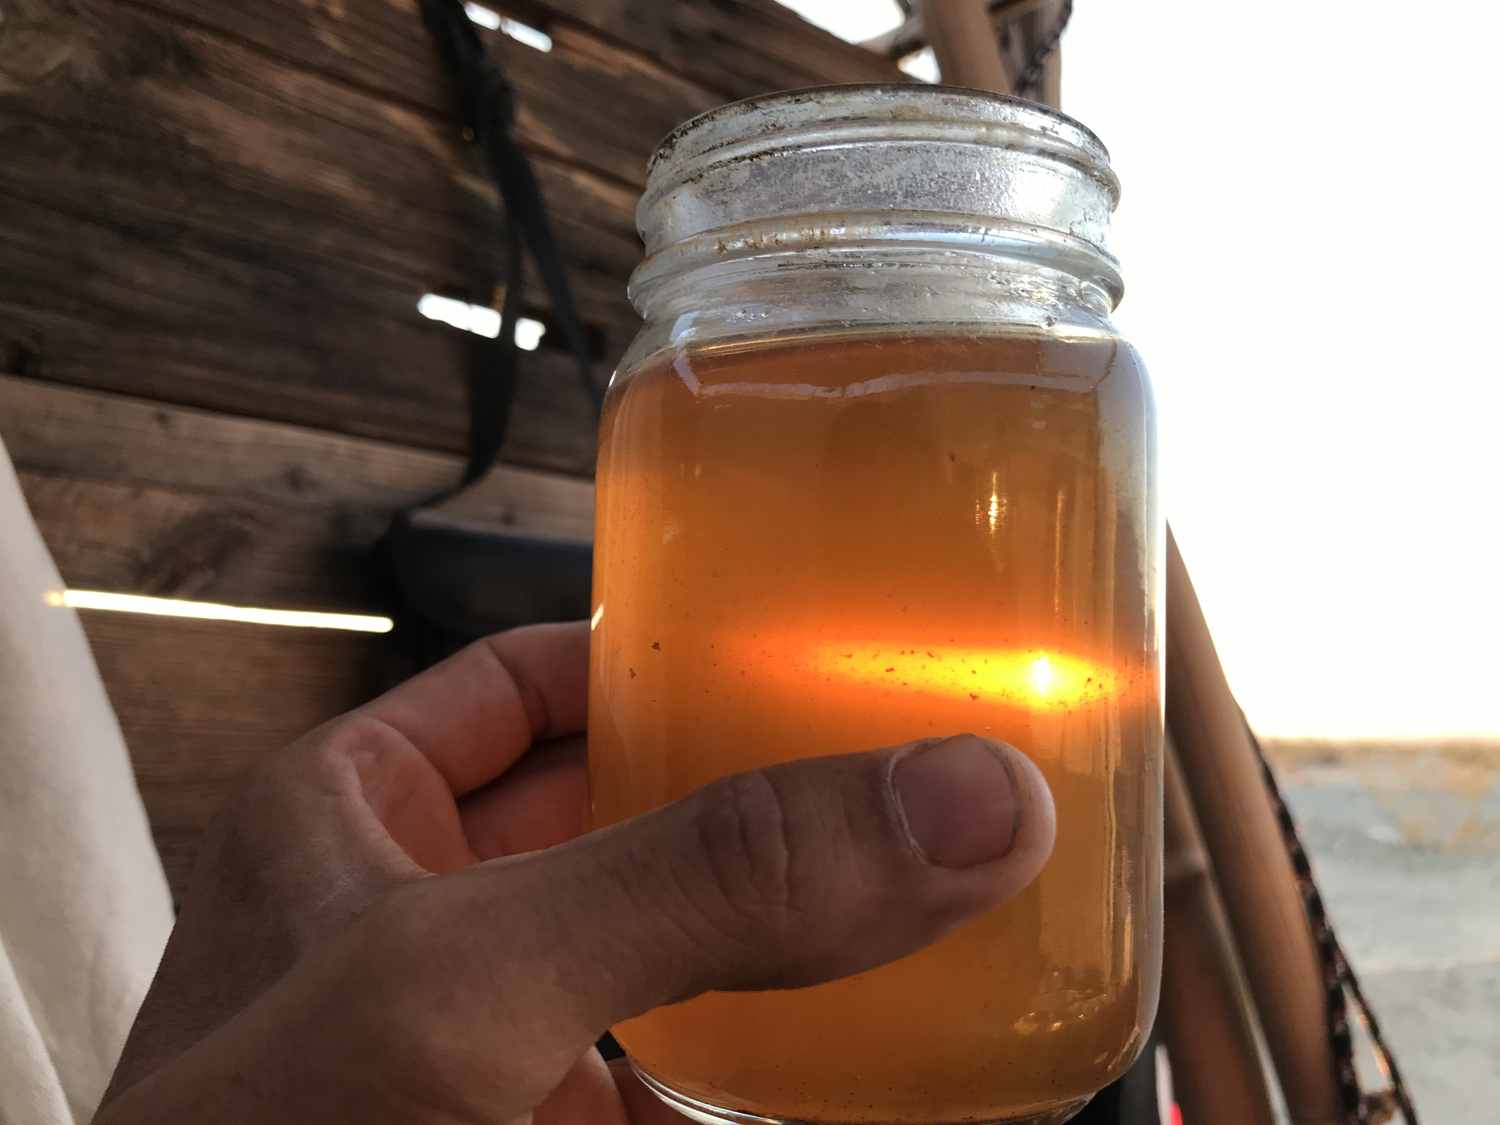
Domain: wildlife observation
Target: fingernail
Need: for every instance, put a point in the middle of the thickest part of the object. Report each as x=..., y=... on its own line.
x=960, y=800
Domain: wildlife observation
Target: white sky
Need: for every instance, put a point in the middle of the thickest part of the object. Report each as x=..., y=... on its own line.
x=1309, y=241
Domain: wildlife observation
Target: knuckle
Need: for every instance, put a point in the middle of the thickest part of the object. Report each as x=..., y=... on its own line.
x=746, y=840
x=333, y=755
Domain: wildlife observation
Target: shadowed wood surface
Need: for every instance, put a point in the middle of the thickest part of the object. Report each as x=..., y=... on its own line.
x=170, y=501
x=589, y=100
x=189, y=221
x=216, y=220
x=200, y=702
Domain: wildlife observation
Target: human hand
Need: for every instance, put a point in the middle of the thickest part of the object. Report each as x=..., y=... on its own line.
x=400, y=918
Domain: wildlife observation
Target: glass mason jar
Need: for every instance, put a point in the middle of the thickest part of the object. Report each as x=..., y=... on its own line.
x=878, y=467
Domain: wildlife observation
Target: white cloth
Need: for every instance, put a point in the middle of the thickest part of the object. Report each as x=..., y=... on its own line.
x=84, y=907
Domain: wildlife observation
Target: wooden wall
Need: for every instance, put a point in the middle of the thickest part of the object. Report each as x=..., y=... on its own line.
x=216, y=219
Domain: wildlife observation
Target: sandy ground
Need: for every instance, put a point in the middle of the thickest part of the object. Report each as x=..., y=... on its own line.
x=1406, y=846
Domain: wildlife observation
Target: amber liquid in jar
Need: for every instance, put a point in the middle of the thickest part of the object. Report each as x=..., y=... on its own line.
x=823, y=544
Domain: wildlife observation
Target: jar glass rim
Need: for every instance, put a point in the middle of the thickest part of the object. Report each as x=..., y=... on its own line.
x=772, y=116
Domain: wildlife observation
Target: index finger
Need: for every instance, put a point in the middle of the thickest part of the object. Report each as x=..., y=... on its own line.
x=478, y=711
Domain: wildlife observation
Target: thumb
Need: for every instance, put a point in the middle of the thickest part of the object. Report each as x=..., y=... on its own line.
x=776, y=878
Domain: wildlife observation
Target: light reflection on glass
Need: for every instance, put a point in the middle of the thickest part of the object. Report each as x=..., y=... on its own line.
x=1037, y=679
x=995, y=510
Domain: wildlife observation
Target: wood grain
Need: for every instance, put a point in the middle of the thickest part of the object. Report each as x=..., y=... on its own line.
x=142, y=497
x=138, y=497
x=131, y=99
x=238, y=208
x=215, y=222
x=200, y=702
x=122, y=299
x=179, y=218
x=591, y=101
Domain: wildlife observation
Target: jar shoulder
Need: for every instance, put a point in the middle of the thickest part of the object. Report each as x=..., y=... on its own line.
x=835, y=359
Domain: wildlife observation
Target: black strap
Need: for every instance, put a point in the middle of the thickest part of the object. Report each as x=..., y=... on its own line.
x=440, y=576
x=489, y=110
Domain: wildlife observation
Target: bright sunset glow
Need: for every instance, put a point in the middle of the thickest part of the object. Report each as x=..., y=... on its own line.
x=1312, y=288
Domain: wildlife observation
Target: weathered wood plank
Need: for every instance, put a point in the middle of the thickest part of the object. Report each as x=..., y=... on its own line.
x=145, y=498
x=64, y=431
x=589, y=101
x=138, y=497
x=201, y=701
x=130, y=302
x=213, y=133
x=184, y=220
x=142, y=540
x=188, y=221
x=619, y=76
